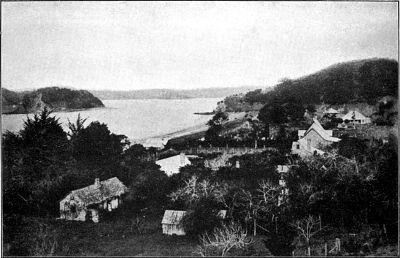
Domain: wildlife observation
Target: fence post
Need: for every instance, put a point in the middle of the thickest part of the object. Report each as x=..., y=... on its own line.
x=337, y=243
x=320, y=223
x=326, y=249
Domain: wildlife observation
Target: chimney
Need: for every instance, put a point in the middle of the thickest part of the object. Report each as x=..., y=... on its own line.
x=97, y=182
x=237, y=164
x=182, y=156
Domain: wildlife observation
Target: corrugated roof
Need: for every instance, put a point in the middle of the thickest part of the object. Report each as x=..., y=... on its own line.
x=173, y=217
x=108, y=188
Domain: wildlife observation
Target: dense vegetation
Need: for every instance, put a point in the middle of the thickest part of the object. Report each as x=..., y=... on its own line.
x=54, y=98
x=352, y=192
x=352, y=82
x=357, y=81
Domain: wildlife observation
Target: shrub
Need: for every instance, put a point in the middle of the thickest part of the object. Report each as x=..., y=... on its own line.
x=224, y=240
x=203, y=218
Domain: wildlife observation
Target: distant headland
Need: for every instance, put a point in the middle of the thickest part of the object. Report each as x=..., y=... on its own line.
x=54, y=98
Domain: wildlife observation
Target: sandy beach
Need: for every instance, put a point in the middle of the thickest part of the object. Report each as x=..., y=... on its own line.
x=160, y=140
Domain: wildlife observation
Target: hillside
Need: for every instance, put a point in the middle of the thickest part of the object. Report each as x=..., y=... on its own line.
x=54, y=98
x=170, y=93
x=360, y=81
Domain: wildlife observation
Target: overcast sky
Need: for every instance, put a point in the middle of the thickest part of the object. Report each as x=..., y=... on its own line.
x=143, y=45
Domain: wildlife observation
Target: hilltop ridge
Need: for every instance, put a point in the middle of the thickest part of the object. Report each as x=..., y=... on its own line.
x=54, y=98
x=171, y=93
x=357, y=81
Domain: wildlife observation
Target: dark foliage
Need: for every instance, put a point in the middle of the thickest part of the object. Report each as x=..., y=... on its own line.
x=54, y=98
x=215, y=126
x=357, y=81
x=95, y=147
x=202, y=217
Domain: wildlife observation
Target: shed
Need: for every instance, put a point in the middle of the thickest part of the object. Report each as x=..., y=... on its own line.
x=172, y=222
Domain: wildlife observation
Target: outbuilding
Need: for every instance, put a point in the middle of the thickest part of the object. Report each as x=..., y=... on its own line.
x=172, y=222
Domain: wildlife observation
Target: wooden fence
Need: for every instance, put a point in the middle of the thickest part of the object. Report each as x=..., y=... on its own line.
x=227, y=150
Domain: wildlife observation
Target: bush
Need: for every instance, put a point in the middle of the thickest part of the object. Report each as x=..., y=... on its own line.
x=228, y=239
x=203, y=218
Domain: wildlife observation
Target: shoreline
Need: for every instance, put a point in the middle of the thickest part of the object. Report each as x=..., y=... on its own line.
x=55, y=110
x=162, y=139
x=195, y=131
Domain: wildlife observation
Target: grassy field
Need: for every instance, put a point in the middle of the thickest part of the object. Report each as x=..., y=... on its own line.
x=117, y=237
x=42, y=237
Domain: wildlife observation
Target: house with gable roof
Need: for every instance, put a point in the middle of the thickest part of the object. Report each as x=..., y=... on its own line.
x=84, y=203
x=355, y=118
x=311, y=140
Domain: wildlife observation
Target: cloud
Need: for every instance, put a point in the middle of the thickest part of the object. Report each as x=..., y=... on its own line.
x=129, y=45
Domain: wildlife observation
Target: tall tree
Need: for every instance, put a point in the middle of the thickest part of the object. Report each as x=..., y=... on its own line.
x=97, y=148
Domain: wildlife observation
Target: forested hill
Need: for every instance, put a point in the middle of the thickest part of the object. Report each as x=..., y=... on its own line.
x=352, y=82
x=54, y=98
x=171, y=93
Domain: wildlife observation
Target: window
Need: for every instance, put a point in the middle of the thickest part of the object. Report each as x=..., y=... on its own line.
x=73, y=210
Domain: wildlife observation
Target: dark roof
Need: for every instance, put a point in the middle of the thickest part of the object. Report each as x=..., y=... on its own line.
x=108, y=188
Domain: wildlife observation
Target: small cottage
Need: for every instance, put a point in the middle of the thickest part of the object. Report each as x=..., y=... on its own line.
x=172, y=222
x=84, y=204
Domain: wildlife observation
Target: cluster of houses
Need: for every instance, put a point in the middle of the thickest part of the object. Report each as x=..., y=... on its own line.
x=85, y=204
x=315, y=138
x=351, y=118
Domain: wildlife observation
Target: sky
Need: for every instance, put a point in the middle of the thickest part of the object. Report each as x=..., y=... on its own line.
x=184, y=45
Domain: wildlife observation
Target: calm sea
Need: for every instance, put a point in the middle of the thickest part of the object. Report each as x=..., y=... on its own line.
x=137, y=119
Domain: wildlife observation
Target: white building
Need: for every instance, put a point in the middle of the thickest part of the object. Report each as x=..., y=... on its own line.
x=355, y=118
x=312, y=139
x=172, y=164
